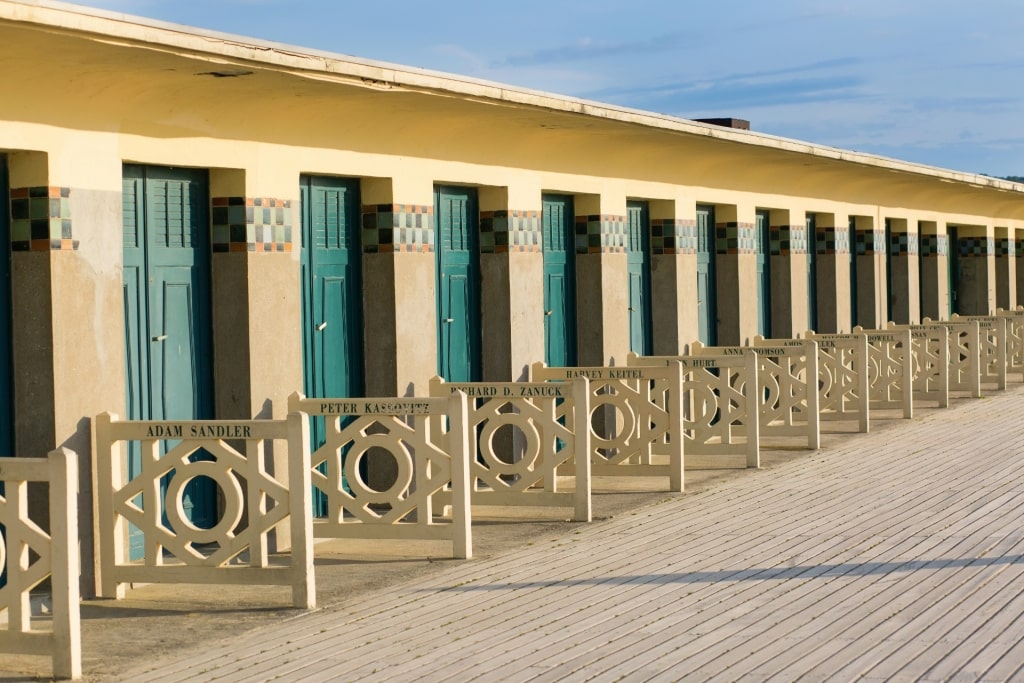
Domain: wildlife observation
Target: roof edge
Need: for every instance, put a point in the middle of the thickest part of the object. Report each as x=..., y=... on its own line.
x=215, y=45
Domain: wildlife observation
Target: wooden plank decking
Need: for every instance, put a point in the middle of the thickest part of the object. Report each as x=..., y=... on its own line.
x=893, y=555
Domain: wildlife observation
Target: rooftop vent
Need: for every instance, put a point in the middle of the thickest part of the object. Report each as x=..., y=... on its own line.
x=739, y=124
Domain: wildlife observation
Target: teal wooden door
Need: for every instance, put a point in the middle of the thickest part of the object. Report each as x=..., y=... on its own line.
x=707, y=304
x=331, y=276
x=638, y=267
x=559, y=242
x=762, y=253
x=6, y=367
x=456, y=219
x=166, y=276
x=812, y=272
x=332, y=327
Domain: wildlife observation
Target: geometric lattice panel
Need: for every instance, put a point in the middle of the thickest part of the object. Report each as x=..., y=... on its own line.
x=890, y=370
x=635, y=418
x=843, y=378
x=720, y=405
x=522, y=434
x=930, y=362
x=788, y=380
x=149, y=494
x=29, y=556
x=386, y=462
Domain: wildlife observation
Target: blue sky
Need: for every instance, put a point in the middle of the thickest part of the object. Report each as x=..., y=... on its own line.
x=939, y=82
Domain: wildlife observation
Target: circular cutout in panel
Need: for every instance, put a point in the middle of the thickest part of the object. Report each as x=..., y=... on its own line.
x=174, y=501
x=612, y=421
x=375, y=447
x=704, y=403
x=510, y=444
x=771, y=394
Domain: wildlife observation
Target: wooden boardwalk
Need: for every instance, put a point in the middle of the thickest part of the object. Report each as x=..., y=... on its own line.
x=894, y=555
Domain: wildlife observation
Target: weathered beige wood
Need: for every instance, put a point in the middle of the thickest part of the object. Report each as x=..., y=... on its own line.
x=964, y=355
x=721, y=407
x=788, y=378
x=550, y=421
x=431, y=464
x=642, y=415
x=30, y=556
x=992, y=351
x=844, y=390
x=232, y=550
x=1014, y=340
x=890, y=370
x=930, y=357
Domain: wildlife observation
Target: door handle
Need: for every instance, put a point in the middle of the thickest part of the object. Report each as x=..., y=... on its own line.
x=321, y=326
x=449, y=320
x=548, y=312
x=162, y=337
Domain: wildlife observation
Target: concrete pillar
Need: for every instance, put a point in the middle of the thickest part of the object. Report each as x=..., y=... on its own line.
x=67, y=312
x=789, y=274
x=602, y=294
x=737, y=277
x=1006, y=269
x=872, y=304
x=976, y=283
x=512, y=287
x=903, y=263
x=257, y=301
x=673, y=273
x=833, y=268
x=399, y=306
x=934, y=271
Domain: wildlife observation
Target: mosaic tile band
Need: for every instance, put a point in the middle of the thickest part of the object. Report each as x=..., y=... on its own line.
x=41, y=219
x=600, y=234
x=832, y=240
x=870, y=242
x=735, y=238
x=673, y=236
x=786, y=240
x=903, y=243
x=256, y=224
x=389, y=228
x=934, y=245
x=1006, y=247
x=505, y=231
x=976, y=246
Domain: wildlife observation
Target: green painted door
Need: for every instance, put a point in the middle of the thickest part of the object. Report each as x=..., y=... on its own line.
x=707, y=304
x=559, y=242
x=853, y=273
x=331, y=281
x=6, y=368
x=456, y=219
x=762, y=252
x=638, y=266
x=812, y=272
x=332, y=327
x=166, y=275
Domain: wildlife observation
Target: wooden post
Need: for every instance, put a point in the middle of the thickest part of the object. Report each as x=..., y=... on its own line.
x=300, y=499
x=64, y=564
x=583, y=508
x=462, y=531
